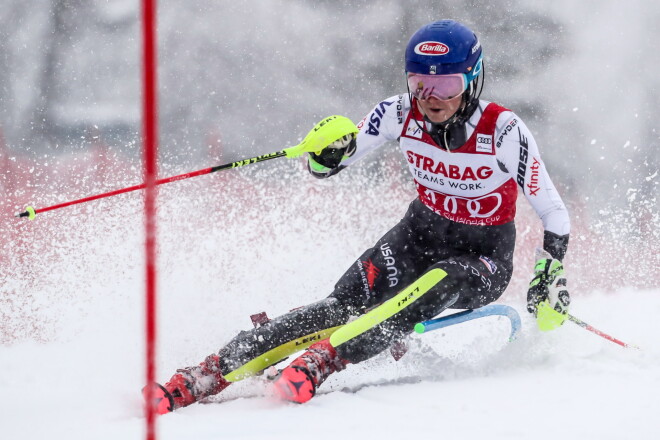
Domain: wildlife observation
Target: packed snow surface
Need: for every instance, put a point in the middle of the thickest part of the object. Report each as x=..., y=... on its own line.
x=462, y=382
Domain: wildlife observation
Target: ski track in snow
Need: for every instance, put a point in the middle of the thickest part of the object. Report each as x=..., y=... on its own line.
x=73, y=366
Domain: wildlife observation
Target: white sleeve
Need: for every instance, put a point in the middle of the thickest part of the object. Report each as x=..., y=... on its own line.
x=383, y=123
x=518, y=151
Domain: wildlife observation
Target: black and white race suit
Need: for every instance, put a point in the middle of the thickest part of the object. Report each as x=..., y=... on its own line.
x=461, y=223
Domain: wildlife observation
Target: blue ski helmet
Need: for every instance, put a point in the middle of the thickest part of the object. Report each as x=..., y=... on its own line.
x=447, y=47
x=444, y=47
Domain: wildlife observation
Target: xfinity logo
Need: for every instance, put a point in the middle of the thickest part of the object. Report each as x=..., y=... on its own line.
x=533, y=184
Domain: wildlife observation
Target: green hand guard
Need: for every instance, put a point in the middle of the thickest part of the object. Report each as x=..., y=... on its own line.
x=548, y=318
x=547, y=297
x=327, y=131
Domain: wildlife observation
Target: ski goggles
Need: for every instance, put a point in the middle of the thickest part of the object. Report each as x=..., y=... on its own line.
x=442, y=87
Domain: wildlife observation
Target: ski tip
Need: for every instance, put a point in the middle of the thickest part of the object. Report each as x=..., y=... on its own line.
x=294, y=384
x=420, y=328
x=161, y=399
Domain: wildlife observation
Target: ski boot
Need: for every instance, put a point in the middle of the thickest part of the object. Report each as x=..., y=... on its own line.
x=298, y=382
x=189, y=385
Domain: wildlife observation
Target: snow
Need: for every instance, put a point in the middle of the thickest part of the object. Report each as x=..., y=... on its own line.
x=72, y=348
x=569, y=384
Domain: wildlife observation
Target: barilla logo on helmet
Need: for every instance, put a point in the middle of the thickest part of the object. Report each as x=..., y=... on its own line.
x=431, y=48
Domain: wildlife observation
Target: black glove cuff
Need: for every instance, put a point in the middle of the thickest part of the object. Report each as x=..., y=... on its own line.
x=332, y=172
x=555, y=245
x=332, y=157
x=329, y=157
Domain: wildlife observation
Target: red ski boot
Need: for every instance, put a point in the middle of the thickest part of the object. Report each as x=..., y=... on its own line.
x=189, y=385
x=298, y=382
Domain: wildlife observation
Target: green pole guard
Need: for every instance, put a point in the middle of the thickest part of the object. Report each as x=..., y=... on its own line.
x=31, y=213
x=327, y=131
x=548, y=318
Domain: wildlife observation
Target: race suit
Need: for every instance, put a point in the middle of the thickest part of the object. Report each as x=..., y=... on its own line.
x=460, y=225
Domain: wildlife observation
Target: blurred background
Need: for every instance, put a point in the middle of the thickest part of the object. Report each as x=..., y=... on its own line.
x=238, y=80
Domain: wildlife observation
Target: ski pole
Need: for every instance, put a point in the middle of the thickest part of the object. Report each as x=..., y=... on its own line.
x=599, y=333
x=327, y=131
x=31, y=212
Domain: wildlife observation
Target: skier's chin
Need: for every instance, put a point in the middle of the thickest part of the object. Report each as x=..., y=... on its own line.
x=438, y=111
x=438, y=116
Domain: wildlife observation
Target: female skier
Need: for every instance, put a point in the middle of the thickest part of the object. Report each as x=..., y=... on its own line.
x=452, y=249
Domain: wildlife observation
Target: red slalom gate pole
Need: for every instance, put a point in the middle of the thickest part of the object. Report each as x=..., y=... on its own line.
x=150, y=149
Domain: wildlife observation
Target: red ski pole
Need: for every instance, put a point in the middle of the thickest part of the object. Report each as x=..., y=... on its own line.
x=31, y=212
x=599, y=333
x=327, y=131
